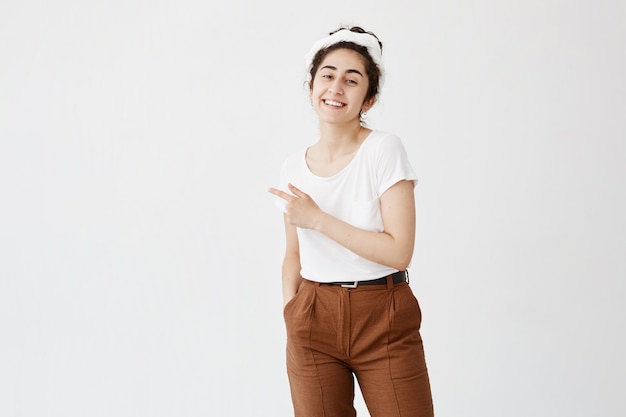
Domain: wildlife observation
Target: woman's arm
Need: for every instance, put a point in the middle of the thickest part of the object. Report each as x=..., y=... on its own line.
x=291, y=264
x=392, y=247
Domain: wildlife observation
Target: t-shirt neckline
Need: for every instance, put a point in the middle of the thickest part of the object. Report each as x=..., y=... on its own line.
x=342, y=170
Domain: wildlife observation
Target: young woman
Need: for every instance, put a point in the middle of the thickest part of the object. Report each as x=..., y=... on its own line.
x=349, y=214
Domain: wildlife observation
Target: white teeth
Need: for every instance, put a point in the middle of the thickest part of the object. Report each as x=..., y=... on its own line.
x=333, y=103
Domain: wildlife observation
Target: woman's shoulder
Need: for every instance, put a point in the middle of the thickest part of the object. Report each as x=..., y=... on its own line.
x=383, y=140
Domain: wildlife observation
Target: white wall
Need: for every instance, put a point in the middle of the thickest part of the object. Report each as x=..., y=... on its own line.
x=140, y=252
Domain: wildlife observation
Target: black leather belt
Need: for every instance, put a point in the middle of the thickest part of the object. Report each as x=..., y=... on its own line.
x=398, y=277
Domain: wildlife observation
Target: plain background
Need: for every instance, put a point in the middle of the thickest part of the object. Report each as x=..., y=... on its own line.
x=140, y=251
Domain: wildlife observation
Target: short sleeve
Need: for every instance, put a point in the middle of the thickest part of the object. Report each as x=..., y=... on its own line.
x=393, y=164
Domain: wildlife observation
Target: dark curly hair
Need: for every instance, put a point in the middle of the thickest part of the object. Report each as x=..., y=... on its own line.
x=372, y=70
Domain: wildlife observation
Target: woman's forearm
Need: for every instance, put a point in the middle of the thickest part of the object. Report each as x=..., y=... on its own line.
x=379, y=247
x=393, y=246
x=291, y=278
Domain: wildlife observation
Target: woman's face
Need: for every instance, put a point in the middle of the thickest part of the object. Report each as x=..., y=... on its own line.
x=340, y=86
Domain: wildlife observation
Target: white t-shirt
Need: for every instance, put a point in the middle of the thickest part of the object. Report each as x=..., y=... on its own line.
x=351, y=195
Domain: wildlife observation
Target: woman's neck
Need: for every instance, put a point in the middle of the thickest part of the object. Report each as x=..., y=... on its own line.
x=339, y=139
x=335, y=149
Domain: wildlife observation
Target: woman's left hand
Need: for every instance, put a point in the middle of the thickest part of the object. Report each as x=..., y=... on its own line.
x=301, y=211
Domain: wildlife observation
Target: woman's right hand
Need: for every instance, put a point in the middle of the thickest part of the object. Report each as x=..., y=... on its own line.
x=300, y=211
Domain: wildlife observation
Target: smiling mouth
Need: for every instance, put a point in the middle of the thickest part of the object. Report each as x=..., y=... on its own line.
x=333, y=103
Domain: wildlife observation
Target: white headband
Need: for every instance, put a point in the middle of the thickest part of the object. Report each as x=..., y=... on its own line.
x=346, y=35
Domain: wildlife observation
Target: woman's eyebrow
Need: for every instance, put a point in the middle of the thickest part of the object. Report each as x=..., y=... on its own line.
x=353, y=71
x=349, y=71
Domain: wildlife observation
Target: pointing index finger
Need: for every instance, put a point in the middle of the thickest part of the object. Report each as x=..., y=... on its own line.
x=281, y=194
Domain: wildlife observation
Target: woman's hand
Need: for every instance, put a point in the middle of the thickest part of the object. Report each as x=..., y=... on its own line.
x=301, y=211
x=287, y=298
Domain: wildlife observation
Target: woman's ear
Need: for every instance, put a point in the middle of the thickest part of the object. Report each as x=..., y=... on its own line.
x=368, y=104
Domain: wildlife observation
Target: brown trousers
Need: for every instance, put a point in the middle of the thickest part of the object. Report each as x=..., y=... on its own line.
x=371, y=332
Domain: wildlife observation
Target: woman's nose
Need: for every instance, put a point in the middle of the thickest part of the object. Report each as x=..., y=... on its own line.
x=335, y=87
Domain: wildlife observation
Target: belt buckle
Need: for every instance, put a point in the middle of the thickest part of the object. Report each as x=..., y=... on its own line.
x=353, y=285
